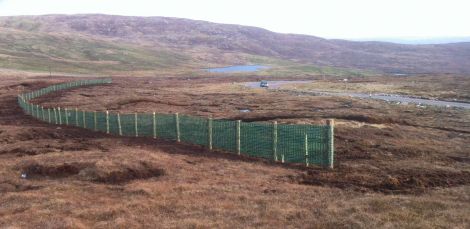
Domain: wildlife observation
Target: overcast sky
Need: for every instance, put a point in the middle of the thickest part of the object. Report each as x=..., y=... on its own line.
x=350, y=19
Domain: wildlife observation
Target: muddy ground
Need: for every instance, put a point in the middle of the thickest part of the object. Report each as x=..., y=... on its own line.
x=388, y=157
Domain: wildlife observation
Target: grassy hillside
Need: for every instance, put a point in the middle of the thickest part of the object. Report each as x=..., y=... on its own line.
x=36, y=51
x=224, y=44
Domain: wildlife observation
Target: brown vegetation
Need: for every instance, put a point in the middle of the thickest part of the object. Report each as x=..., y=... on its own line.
x=396, y=166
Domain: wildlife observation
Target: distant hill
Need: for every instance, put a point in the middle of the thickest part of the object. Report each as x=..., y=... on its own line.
x=177, y=41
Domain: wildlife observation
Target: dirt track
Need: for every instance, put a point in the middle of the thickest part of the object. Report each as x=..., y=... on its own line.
x=81, y=178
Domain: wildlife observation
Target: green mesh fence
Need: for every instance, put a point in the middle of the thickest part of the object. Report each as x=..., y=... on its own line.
x=307, y=144
x=194, y=130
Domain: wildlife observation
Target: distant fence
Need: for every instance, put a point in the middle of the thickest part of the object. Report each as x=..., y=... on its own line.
x=306, y=144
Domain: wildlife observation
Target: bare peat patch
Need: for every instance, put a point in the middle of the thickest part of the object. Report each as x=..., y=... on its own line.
x=109, y=172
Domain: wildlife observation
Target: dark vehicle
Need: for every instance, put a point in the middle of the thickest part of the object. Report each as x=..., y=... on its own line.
x=264, y=83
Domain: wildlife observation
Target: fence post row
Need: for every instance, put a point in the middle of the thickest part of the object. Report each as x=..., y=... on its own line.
x=54, y=115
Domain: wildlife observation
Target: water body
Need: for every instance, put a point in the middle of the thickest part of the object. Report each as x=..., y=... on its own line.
x=385, y=97
x=238, y=68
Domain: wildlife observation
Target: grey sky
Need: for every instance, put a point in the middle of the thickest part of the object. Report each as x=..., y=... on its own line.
x=324, y=18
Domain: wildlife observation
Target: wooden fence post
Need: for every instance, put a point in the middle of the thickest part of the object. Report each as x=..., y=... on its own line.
x=238, y=137
x=49, y=112
x=154, y=123
x=275, y=140
x=119, y=124
x=60, y=116
x=76, y=116
x=306, y=149
x=135, y=124
x=107, y=122
x=331, y=137
x=37, y=111
x=209, y=133
x=177, y=121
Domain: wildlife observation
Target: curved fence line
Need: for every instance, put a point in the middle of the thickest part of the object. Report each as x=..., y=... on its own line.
x=306, y=144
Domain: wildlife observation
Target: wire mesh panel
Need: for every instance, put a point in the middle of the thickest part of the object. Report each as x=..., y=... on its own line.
x=256, y=139
x=289, y=143
x=318, y=151
x=113, y=123
x=166, y=126
x=224, y=134
x=101, y=121
x=193, y=130
x=145, y=125
x=89, y=120
x=71, y=117
x=128, y=125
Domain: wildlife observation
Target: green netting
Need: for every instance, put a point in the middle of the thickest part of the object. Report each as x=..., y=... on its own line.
x=193, y=130
x=289, y=143
x=145, y=125
x=128, y=125
x=166, y=126
x=256, y=139
x=224, y=135
x=113, y=124
x=101, y=122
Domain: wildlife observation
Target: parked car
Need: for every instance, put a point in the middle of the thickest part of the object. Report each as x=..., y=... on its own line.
x=264, y=83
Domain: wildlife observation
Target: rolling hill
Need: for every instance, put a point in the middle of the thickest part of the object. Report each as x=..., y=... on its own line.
x=121, y=42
